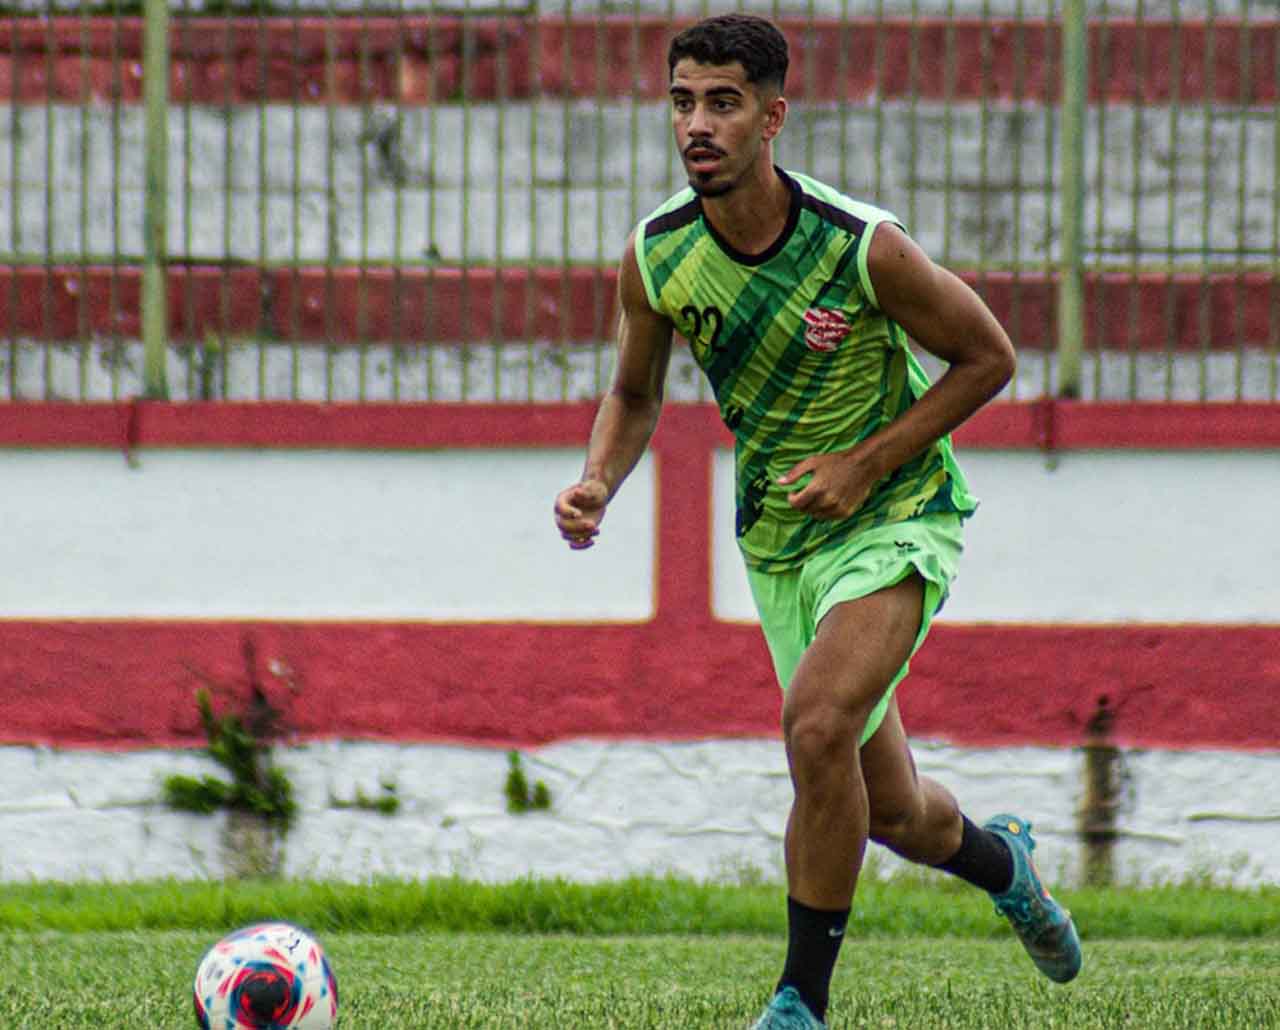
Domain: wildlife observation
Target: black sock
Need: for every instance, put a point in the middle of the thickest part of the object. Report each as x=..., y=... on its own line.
x=983, y=860
x=813, y=943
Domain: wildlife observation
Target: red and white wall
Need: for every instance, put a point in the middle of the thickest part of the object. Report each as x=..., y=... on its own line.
x=390, y=574
x=325, y=223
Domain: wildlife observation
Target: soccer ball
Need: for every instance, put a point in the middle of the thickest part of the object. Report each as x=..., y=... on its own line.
x=268, y=976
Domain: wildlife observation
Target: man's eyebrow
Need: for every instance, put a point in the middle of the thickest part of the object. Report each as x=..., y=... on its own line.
x=730, y=91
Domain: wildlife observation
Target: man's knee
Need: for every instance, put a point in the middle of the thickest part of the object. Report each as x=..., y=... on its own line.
x=819, y=738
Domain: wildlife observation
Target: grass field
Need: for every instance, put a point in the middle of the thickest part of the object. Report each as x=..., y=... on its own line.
x=921, y=956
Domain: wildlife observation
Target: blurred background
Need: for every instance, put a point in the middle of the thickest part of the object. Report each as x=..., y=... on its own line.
x=312, y=201
x=338, y=280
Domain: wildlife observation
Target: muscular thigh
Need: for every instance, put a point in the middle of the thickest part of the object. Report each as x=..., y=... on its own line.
x=859, y=648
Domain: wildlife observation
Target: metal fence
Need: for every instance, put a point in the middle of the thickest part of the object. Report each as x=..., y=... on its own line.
x=348, y=201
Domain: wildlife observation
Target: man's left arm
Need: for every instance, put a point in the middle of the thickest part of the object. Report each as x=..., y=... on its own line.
x=945, y=317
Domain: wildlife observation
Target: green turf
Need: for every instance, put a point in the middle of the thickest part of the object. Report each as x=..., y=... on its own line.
x=425, y=981
x=924, y=952
x=921, y=904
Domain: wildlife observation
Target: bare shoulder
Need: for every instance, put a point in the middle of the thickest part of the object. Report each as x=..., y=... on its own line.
x=936, y=307
x=908, y=283
x=633, y=295
x=630, y=279
x=644, y=335
x=896, y=263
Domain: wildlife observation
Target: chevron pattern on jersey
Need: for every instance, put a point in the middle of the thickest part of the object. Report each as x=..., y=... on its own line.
x=799, y=357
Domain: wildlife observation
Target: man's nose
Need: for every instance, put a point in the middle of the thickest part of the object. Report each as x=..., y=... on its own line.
x=699, y=124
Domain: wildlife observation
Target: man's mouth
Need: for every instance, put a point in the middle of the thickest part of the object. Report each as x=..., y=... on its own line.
x=701, y=156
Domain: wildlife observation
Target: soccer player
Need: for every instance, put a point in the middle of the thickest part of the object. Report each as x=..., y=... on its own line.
x=798, y=302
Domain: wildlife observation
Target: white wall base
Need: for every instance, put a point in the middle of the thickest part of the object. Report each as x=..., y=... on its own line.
x=706, y=810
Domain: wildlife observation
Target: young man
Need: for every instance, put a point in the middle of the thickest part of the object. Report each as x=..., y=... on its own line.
x=798, y=302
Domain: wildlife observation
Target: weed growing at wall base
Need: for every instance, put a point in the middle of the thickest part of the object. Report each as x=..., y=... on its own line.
x=257, y=785
x=520, y=796
x=385, y=802
x=240, y=741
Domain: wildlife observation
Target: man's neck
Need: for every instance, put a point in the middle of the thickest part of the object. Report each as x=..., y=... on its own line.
x=752, y=215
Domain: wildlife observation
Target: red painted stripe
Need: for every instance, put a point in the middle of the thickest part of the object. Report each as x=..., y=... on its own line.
x=289, y=425
x=418, y=60
x=1044, y=424
x=1145, y=313
x=1055, y=425
x=127, y=684
x=1167, y=686
x=683, y=674
x=313, y=304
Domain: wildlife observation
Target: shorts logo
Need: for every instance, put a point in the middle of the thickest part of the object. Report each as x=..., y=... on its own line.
x=825, y=329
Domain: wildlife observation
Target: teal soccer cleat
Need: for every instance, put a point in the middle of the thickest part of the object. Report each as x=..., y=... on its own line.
x=1044, y=927
x=787, y=1011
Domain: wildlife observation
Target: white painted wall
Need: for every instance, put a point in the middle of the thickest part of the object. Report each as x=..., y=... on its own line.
x=333, y=197
x=458, y=535
x=707, y=810
x=467, y=535
x=543, y=372
x=1101, y=536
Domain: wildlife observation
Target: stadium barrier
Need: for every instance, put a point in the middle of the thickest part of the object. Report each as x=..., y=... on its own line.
x=367, y=203
x=364, y=231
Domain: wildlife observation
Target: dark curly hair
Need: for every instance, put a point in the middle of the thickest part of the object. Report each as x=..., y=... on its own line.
x=753, y=42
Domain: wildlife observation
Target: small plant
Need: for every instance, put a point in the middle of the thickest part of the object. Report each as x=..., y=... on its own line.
x=520, y=798
x=385, y=803
x=241, y=744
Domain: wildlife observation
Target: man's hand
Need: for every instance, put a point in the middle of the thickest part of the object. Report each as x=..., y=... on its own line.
x=840, y=485
x=579, y=509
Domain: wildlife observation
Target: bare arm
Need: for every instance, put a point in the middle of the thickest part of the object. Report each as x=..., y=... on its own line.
x=947, y=319
x=628, y=413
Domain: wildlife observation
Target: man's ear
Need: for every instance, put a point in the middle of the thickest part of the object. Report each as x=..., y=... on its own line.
x=775, y=115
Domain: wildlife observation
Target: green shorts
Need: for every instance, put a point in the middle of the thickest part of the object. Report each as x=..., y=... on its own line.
x=791, y=603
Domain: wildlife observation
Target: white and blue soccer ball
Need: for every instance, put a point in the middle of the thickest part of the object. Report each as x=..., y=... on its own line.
x=267, y=976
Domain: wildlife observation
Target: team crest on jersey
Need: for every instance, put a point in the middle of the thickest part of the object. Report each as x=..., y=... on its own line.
x=825, y=329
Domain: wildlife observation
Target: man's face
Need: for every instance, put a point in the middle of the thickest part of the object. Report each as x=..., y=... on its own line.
x=721, y=122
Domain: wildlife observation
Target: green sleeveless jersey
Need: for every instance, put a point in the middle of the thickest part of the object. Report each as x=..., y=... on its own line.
x=800, y=358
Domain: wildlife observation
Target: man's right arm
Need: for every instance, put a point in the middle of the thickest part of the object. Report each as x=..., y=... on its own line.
x=628, y=413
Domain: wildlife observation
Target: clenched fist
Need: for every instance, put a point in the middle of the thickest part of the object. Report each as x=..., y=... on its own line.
x=579, y=509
